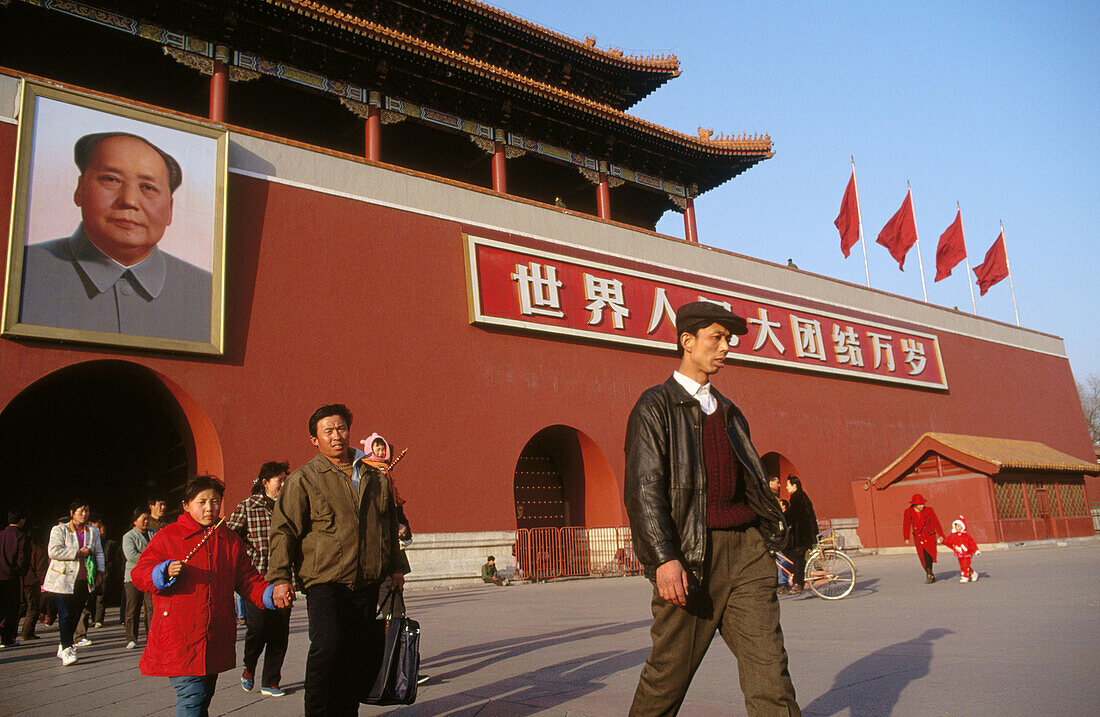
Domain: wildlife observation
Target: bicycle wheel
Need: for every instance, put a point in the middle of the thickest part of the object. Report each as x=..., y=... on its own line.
x=831, y=574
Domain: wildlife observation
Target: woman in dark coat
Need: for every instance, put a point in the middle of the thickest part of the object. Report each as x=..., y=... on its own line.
x=803, y=523
x=925, y=526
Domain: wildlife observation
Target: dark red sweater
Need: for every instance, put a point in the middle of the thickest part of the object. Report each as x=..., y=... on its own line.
x=726, y=507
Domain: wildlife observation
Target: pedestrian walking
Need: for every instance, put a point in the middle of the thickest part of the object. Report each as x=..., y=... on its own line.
x=133, y=545
x=803, y=523
x=33, y=597
x=703, y=521
x=268, y=631
x=192, y=567
x=921, y=520
x=76, y=562
x=341, y=560
x=14, y=562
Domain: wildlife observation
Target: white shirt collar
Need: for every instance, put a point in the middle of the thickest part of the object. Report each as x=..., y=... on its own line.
x=701, y=392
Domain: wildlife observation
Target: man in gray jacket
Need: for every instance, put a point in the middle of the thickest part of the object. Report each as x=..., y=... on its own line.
x=703, y=522
x=335, y=522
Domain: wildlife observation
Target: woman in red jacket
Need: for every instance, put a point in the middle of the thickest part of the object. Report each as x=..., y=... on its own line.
x=926, y=530
x=192, y=567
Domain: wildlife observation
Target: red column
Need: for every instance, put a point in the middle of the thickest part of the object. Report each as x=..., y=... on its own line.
x=690, y=232
x=374, y=134
x=500, y=179
x=219, y=83
x=603, y=197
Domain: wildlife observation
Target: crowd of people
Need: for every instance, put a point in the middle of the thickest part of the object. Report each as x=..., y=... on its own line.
x=334, y=528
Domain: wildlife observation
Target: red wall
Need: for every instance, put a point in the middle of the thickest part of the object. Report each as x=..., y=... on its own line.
x=312, y=277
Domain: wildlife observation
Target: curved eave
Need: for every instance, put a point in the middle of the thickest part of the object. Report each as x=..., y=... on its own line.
x=759, y=148
x=667, y=66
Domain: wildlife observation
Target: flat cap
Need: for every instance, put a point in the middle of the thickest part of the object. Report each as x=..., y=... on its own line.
x=705, y=313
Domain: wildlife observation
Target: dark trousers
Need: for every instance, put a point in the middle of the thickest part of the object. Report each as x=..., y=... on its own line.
x=926, y=561
x=342, y=640
x=270, y=628
x=92, y=608
x=135, y=601
x=11, y=592
x=797, y=556
x=69, y=608
x=738, y=600
x=32, y=596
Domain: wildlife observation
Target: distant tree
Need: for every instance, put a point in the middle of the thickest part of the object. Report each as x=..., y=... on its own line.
x=1090, y=401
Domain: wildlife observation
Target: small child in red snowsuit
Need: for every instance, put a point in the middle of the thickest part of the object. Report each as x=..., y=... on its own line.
x=965, y=548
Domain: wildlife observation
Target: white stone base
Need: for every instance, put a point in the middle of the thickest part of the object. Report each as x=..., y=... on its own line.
x=452, y=560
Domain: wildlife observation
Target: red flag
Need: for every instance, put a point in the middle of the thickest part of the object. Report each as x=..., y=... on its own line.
x=951, y=249
x=900, y=233
x=995, y=266
x=847, y=222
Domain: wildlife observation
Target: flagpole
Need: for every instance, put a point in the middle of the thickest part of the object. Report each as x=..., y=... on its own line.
x=859, y=212
x=967, y=258
x=1011, y=284
x=920, y=261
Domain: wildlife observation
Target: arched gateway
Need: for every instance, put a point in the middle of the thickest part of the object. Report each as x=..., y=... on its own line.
x=109, y=432
x=568, y=508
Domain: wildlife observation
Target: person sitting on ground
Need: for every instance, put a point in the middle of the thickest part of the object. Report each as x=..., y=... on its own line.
x=489, y=572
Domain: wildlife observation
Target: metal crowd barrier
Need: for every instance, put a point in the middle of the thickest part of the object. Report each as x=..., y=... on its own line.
x=552, y=553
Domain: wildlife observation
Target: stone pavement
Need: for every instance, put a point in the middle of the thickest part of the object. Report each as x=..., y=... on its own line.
x=1023, y=640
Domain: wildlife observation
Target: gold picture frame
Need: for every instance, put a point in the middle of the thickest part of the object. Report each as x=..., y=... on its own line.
x=120, y=254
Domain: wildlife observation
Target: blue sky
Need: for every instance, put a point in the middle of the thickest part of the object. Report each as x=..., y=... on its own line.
x=992, y=105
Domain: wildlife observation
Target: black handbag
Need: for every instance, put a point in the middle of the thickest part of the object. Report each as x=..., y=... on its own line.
x=400, y=659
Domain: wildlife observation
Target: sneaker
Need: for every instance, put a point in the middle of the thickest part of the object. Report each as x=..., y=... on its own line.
x=131, y=645
x=83, y=642
x=964, y=579
x=973, y=576
x=98, y=624
x=272, y=692
x=60, y=650
x=68, y=657
x=247, y=681
x=5, y=645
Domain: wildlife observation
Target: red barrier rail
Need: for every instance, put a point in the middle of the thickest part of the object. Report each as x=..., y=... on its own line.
x=551, y=553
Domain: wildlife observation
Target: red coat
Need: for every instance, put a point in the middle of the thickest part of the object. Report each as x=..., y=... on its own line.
x=194, y=629
x=925, y=527
x=962, y=543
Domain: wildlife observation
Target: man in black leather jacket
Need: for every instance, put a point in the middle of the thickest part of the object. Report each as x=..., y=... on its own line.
x=703, y=522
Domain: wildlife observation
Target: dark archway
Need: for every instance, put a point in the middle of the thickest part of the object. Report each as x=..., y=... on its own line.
x=562, y=479
x=109, y=432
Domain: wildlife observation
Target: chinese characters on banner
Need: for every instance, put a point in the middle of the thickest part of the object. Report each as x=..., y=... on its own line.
x=522, y=288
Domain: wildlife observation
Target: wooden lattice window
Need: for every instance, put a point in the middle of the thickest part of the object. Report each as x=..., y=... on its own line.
x=1073, y=500
x=1010, y=500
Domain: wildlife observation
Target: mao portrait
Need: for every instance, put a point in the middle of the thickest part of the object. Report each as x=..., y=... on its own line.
x=112, y=275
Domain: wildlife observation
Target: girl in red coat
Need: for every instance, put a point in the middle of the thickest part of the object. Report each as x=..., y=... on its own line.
x=926, y=531
x=192, y=567
x=965, y=549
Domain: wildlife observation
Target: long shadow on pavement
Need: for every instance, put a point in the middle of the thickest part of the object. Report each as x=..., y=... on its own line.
x=871, y=686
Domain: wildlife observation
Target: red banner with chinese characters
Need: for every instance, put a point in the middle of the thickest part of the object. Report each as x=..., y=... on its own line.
x=532, y=290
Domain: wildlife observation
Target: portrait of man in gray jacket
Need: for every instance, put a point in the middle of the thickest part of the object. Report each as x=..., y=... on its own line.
x=109, y=275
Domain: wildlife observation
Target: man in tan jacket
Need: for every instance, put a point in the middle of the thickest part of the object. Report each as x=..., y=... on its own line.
x=335, y=522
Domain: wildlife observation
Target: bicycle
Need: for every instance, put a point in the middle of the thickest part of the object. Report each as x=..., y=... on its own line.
x=830, y=573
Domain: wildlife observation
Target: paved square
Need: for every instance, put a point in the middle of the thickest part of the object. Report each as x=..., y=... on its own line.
x=1023, y=640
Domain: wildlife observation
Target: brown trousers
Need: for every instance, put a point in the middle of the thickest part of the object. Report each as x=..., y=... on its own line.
x=737, y=600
